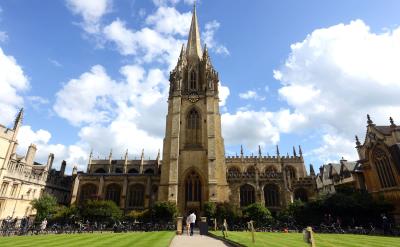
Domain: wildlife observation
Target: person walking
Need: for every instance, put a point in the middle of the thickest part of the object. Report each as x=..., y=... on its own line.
x=192, y=219
x=187, y=224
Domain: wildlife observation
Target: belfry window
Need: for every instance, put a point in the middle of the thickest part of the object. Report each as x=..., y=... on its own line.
x=193, y=81
x=247, y=195
x=193, y=134
x=384, y=169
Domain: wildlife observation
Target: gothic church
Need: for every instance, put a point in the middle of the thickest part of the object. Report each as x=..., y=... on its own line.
x=194, y=168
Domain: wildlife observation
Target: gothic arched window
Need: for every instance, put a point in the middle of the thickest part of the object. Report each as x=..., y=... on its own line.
x=233, y=172
x=113, y=193
x=136, y=196
x=247, y=195
x=301, y=194
x=291, y=172
x=133, y=170
x=88, y=191
x=193, y=128
x=384, y=169
x=193, y=188
x=100, y=170
x=193, y=81
x=271, y=195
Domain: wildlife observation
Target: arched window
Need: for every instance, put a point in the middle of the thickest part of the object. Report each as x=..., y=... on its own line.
x=136, y=195
x=193, y=188
x=301, y=194
x=100, y=170
x=233, y=172
x=113, y=193
x=270, y=170
x=193, y=81
x=251, y=171
x=384, y=168
x=291, y=172
x=88, y=191
x=271, y=195
x=133, y=170
x=149, y=171
x=247, y=195
x=193, y=128
x=154, y=195
x=118, y=170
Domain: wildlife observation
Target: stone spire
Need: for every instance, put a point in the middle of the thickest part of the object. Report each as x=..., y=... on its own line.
x=358, y=143
x=259, y=151
x=369, y=121
x=193, y=47
x=18, y=119
x=300, y=151
x=312, y=172
x=277, y=151
x=294, y=152
x=392, y=124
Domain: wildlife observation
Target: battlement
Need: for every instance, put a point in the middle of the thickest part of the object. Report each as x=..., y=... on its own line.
x=262, y=159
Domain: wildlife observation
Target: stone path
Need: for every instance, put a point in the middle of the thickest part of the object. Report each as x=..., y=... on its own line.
x=196, y=241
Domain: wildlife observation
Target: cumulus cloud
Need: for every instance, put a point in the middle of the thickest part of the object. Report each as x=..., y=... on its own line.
x=251, y=94
x=209, y=38
x=168, y=20
x=91, y=11
x=339, y=74
x=3, y=36
x=13, y=82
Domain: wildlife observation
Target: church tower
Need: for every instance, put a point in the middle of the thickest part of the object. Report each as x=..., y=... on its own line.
x=193, y=169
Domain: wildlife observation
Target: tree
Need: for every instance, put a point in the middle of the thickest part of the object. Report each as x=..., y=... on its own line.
x=228, y=211
x=165, y=211
x=101, y=211
x=66, y=214
x=258, y=213
x=45, y=206
x=210, y=209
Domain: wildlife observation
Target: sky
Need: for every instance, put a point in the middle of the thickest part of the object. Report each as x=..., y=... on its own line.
x=93, y=74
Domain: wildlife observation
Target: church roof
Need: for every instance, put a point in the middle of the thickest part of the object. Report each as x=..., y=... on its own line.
x=193, y=48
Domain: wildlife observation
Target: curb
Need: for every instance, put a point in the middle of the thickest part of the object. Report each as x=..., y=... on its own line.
x=226, y=241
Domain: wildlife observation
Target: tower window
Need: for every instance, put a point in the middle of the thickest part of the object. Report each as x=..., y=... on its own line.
x=193, y=81
x=193, y=134
x=193, y=188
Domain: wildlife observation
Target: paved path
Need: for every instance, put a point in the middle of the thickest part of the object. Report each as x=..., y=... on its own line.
x=196, y=241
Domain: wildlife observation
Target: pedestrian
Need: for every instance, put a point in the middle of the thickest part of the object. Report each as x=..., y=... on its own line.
x=192, y=217
x=188, y=224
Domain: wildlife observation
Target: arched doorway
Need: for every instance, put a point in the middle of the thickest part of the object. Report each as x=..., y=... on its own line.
x=193, y=192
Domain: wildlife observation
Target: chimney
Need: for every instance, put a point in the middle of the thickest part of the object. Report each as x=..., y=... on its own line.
x=50, y=160
x=30, y=154
x=62, y=168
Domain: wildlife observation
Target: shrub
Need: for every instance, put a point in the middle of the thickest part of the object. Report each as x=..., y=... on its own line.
x=101, y=211
x=228, y=211
x=210, y=209
x=45, y=206
x=139, y=215
x=165, y=211
x=258, y=213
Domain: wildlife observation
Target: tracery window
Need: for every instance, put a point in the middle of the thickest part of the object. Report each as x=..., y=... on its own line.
x=136, y=195
x=271, y=195
x=133, y=170
x=88, y=191
x=233, y=172
x=149, y=171
x=193, y=81
x=193, y=188
x=291, y=172
x=100, y=170
x=113, y=193
x=193, y=128
x=270, y=171
x=384, y=169
x=247, y=195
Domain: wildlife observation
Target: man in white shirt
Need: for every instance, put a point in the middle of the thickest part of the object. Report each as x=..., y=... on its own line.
x=192, y=220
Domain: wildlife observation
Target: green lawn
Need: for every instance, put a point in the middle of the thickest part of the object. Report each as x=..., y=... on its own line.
x=137, y=239
x=322, y=240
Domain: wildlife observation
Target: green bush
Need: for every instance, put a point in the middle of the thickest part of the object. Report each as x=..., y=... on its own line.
x=66, y=214
x=258, y=213
x=228, y=211
x=139, y=215
x=210, y=209
x=165, y=211
x=100, y=211
x=45, y=206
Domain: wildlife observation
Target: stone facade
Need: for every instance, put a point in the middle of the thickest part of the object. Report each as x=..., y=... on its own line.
x=380, y=162
x=194, y=169
x=23, y=180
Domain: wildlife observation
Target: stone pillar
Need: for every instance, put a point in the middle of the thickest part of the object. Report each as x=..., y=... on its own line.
x=179, y=225
x=124, y=192
x=100, y=191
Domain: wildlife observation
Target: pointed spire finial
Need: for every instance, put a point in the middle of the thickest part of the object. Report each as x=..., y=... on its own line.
x=358, y=143
x=277, y=150
x=110, y=155
x=300, y=151
x=126, y=154
x=142, y=155
x=19, y=118
x=193, y=47
x=259, y=150
x=392, y=124
x=369, y=121
x=312, y=172
x=241, y=150
x=158, y=155
x=294, y=152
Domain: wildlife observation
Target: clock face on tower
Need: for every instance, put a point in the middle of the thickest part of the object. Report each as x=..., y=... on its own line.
x=193, y=97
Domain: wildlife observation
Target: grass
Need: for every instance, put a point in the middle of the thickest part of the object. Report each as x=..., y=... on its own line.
x=137, y=239
x=321, y=240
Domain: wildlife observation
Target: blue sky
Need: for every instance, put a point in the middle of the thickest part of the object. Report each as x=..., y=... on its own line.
x=93, y=74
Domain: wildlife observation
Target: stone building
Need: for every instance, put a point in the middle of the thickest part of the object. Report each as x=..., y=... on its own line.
x=380, y=162
x=23, y=180
x=334, y=176
x=194, y=169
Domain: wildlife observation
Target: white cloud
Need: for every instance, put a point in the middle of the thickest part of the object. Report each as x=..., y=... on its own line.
x=13, y=82
x=3, y=36
x=91, y=11
x=208, y=36
x=223, y=94
x=55, y=62
x=168, y=20
x=251, y=94
x=337, y=75
x=165, y=2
